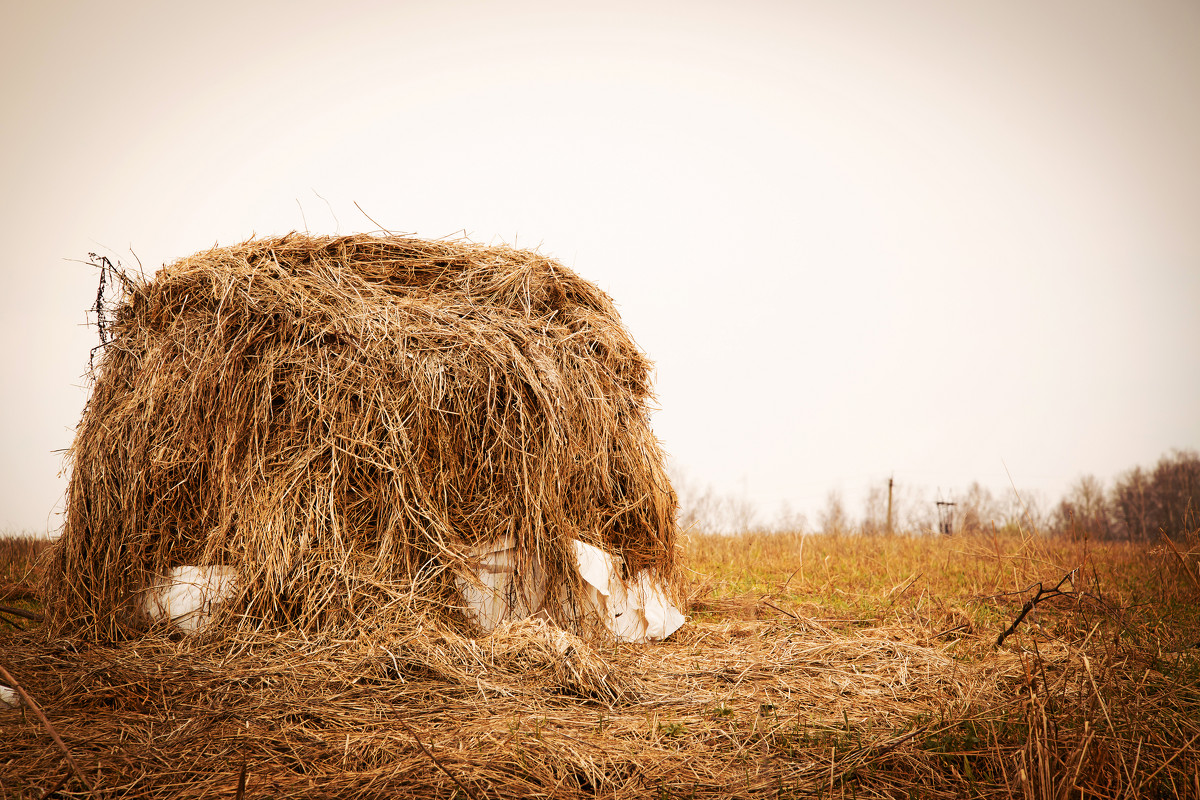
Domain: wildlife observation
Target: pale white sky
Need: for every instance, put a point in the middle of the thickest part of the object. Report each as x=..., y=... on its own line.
x=928, y=239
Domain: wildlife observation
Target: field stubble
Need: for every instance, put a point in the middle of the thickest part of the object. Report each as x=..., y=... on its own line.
x=811, y=666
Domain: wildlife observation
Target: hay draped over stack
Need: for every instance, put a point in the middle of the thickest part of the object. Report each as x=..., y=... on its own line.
x=344, y=419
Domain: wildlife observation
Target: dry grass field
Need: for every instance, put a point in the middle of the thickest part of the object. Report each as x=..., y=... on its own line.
x=811, y=666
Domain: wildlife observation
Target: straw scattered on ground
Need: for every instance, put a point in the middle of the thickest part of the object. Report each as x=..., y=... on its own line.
x=776, y=690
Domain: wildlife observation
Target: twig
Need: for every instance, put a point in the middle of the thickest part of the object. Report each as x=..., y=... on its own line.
x=780, y=610
x=950, y=630
x=17, y=591
x=784, y=585
x=1042, y=594
x=1186, y=569
x=56, y=786
x=16, y=625
x=1187, y=748
x=1104, y=707
x=17, y=612
x=897, y=592
x=368, y=216
x=887, y=747
x=903, y=586
x=103, y=317
x=105, y=265
x=29, y=701
x=433, y=758
x=241, y=787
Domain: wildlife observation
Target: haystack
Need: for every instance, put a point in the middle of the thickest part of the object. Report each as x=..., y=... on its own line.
x=347, y=423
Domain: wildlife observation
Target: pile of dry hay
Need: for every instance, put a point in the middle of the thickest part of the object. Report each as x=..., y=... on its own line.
x=343, y=420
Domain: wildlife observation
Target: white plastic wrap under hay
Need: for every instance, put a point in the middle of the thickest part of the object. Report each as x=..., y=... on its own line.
x=188, y=595
x=9, y=698
x=638, y=611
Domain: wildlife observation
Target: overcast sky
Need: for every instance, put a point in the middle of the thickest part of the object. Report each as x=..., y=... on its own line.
x=929, y=239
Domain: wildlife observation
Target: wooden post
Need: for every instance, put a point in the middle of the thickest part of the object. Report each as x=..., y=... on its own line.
x=889, y=523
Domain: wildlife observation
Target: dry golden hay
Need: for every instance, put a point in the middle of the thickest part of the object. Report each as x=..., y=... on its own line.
x=767, y=708
x=343, y=420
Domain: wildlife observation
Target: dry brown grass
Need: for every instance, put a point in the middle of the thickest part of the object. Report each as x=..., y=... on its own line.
x=19, y=559
x=22, y=567
x=876, y=678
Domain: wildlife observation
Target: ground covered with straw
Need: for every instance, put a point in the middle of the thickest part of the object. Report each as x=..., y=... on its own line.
x=810, y=667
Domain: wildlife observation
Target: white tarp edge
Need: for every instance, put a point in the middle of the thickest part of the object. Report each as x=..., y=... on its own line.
x=496, y=598
x=187, y=595
x=9, y=698
x=635, y=612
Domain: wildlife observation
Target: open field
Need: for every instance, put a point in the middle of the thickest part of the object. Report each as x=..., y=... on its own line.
x=811, y=667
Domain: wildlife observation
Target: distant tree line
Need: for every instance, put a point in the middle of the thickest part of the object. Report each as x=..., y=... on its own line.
x=1141, y=504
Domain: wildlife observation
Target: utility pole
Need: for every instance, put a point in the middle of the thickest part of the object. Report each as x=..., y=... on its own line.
x=889, y=525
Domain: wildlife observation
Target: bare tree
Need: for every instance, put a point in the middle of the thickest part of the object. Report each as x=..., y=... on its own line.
x=1132, y=504
x=1176, y=484
x=1084, y=512
x=790, y=520
x=694, y=500
x=875, y=511
x=740, y=514
x=1142, y=504
x=977, y=509
x=833, y=517
x=703, y=509
x=1023, y=511
x=914, y=509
